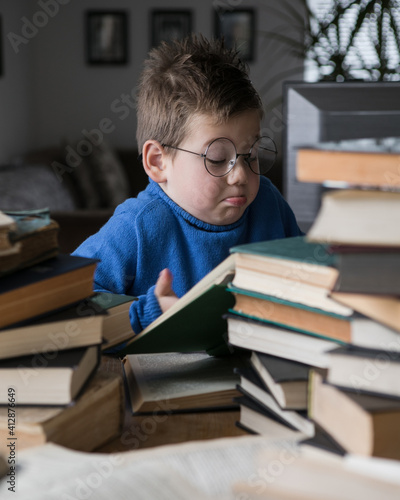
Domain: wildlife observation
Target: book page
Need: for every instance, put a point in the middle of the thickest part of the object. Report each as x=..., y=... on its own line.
x=195, y=470
x=183, y=374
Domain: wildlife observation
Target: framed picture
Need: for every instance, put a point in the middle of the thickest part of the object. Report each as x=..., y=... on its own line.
x=106, y=37
x=169, y=25
x=237, y=27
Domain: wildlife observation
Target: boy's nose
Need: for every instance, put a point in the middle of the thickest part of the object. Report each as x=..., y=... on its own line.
x=239, y=173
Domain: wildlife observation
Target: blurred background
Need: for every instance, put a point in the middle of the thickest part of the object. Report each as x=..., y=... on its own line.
x=69, y=70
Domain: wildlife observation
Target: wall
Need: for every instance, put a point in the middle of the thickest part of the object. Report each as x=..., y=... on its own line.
x=16, y=89
x=49, y=95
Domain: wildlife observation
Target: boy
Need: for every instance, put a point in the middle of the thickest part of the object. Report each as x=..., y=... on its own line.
x=199, y=135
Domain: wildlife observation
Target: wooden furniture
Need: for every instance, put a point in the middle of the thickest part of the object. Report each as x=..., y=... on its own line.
x=146, y=431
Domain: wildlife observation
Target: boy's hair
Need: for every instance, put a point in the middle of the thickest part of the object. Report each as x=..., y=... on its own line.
x=187, y=77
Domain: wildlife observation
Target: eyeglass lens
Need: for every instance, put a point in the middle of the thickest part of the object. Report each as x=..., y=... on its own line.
x=221, y=156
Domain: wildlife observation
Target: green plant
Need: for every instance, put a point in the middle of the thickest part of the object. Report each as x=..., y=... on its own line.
x=356, y=39
x=351, y=39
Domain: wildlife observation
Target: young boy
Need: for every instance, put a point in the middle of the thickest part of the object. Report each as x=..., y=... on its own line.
x=199, y=135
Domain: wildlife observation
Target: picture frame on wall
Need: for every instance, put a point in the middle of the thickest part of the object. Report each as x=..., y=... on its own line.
x=237, y=27
x=106, y=37
x=167, y=25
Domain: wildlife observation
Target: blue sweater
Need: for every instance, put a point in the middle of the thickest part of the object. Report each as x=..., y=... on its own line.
x=151, y=232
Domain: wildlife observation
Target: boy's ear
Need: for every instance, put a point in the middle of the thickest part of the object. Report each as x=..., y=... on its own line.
x=153, y=161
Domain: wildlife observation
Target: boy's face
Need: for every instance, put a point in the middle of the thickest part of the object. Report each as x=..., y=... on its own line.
x=215, y=200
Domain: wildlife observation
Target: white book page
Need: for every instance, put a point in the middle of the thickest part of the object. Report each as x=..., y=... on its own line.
x=195, y=470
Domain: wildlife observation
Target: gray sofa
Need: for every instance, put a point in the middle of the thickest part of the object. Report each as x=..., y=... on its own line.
x=80, y=191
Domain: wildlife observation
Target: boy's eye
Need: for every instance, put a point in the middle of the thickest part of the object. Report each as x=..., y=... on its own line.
x=216, y=162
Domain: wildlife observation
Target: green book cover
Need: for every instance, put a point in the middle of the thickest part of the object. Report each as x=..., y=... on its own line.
x=194, y=322
x=296, y=248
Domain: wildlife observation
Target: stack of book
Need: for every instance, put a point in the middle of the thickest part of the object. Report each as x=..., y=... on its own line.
x=51, y=334
x=282, y=312
x=358, y=400
x=285, y=307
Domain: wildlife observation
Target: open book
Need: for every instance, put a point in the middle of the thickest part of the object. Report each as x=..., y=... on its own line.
x=194, y=322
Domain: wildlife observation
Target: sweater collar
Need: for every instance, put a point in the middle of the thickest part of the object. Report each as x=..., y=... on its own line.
x=155, y=189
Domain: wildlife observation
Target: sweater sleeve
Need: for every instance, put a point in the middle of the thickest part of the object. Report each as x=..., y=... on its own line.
x=144, y=311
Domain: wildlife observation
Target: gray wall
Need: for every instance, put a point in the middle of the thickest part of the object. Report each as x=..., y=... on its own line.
x=49, y=95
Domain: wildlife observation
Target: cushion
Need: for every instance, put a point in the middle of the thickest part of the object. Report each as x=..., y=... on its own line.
x=25, y=187
x=109, y=176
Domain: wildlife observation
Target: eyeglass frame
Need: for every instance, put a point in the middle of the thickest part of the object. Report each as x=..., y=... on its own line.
x=245, y=155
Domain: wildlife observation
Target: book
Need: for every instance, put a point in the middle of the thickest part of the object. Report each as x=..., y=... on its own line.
x=278, y=341
x=362, y=168
x=55, y=283
x=176, y=330
x=382, y=308
x=252, y=386
x=365, y=370
x=256, y=419
x=286, y=379
x=30, y=248
x=50, y=378
x=361, y=423
x=4, y=468
x=75, y=326
x=205, y=469
x=33, y=234
x=374, y=271
x=307, y=473
x=175, y=382
x=293, y=258
x=7, y=224
x=117, y=327
x=356, y=329
x=94, y=419
x=358, y=217
x=305, y=272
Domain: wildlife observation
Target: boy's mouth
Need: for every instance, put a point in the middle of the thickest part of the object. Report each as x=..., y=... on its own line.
x=236, y=201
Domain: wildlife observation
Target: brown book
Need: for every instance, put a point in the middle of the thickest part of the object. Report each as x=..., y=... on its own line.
x=117, y=327
x=95, y=418
x=76, y=326
x=382, y=308
x=30, y=248
x=361, y=423
x=175, y=382
x=377, y=169
x=55, y=283
x=356, y=329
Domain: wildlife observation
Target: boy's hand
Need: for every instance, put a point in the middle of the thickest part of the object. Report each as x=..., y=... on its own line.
x=165, y=295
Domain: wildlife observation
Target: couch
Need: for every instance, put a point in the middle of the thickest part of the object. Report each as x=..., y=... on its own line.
x=80, y=189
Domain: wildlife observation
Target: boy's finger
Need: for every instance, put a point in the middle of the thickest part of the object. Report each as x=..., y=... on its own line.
x=164, y=283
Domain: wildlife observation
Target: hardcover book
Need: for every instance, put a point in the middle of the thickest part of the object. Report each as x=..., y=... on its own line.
x=52, y=378
x=194, y=322
x=53, y=284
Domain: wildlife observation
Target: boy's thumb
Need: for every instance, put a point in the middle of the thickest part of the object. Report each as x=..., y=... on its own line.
x=164, y=284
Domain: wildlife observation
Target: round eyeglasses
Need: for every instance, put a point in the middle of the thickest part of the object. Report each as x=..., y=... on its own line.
x=221, y=156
